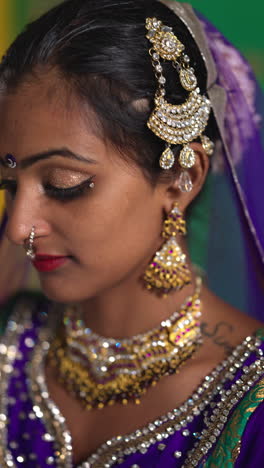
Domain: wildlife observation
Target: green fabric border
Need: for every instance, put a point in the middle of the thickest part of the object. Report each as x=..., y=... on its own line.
x=223, y=454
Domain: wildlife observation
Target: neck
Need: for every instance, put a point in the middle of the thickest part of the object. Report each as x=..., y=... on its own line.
x=130, y=309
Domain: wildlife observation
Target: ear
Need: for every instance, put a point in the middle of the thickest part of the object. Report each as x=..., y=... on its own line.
x=198, y=175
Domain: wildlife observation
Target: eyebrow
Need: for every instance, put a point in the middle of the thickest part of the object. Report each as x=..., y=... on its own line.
x=64, y=152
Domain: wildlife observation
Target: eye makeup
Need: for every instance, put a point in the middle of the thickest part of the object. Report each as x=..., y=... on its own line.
x=64, y=178
x=66, y=184
x=62, y=185
x=69, y=193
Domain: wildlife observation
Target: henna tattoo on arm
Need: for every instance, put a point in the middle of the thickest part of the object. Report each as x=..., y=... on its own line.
x=218, y=334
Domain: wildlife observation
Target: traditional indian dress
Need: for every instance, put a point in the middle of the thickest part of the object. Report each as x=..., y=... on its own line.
x=221, y=423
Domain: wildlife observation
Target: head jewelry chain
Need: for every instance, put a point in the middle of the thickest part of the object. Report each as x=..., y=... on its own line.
x=176, y=124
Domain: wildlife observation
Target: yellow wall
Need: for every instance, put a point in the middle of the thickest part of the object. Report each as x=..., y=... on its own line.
x=5, y=38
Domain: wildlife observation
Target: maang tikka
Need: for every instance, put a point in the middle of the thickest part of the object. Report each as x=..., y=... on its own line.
x=177, y=124
x=169, y=270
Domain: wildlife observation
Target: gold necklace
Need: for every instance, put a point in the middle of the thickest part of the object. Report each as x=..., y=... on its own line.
x=102, y=371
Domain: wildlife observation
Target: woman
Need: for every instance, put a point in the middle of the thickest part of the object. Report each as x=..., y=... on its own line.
x=112, y=116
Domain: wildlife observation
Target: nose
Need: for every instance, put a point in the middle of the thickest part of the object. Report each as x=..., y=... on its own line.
x=24, y=213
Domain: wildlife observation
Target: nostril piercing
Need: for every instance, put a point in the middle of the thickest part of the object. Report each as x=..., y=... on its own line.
x=30, y=250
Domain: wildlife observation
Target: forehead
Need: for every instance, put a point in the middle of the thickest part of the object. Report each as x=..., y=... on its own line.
x=42, y=113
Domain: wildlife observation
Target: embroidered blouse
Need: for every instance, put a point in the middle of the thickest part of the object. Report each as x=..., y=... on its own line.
x=219, y=425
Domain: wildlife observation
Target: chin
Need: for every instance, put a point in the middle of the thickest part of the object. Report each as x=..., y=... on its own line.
x=61, y=291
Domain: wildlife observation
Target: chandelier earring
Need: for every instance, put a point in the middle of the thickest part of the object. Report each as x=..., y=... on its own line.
x=169, y=270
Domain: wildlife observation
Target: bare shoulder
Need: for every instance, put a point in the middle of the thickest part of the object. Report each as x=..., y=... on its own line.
x=224, y=326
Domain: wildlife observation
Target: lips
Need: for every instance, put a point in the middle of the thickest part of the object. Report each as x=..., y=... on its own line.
x=46, y=263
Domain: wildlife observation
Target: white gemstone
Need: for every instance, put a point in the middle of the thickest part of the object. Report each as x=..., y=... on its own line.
x=169, y=44
x=161, y=447
x=187, y=157
x=3, y=349
x=29, y=343
x=8, y=369
x=185, y=182
x=166, y=29
x=50, y=460
x=47, y=437
x=188, y=79
x=167, y=159
x=13, y=445
x=207, y=144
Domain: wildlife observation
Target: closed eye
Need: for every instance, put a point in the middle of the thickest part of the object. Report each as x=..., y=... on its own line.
x=69, y=193
x=58, y=193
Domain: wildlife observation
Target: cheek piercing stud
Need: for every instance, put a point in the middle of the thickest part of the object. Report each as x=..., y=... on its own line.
x=30, y=250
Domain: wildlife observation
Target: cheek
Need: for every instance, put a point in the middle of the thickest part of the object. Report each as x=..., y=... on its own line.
x=111, y=241
x=116, y=238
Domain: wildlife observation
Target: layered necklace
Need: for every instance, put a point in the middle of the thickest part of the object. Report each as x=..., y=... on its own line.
x=102, y=371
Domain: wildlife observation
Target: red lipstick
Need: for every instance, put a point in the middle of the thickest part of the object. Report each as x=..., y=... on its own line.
x=46, y=263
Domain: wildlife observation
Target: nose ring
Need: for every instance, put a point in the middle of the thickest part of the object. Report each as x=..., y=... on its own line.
x=30, y=250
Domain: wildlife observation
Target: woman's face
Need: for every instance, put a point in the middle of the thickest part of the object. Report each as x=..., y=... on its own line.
x=108, y=233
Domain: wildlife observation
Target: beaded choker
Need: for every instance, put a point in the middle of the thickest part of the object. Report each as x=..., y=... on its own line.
x=102, y=371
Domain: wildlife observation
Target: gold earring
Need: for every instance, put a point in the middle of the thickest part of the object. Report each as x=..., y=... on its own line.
x=169, y=270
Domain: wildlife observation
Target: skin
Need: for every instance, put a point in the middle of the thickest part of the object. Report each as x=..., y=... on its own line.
x=110, y=234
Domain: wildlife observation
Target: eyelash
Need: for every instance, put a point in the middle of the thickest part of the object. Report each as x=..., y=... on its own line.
x=61, y=194
x=67, y=194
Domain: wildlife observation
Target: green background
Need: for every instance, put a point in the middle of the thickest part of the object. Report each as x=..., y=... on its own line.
x=241, y=21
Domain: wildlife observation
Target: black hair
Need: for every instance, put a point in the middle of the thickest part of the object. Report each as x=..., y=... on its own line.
x=100, y=49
